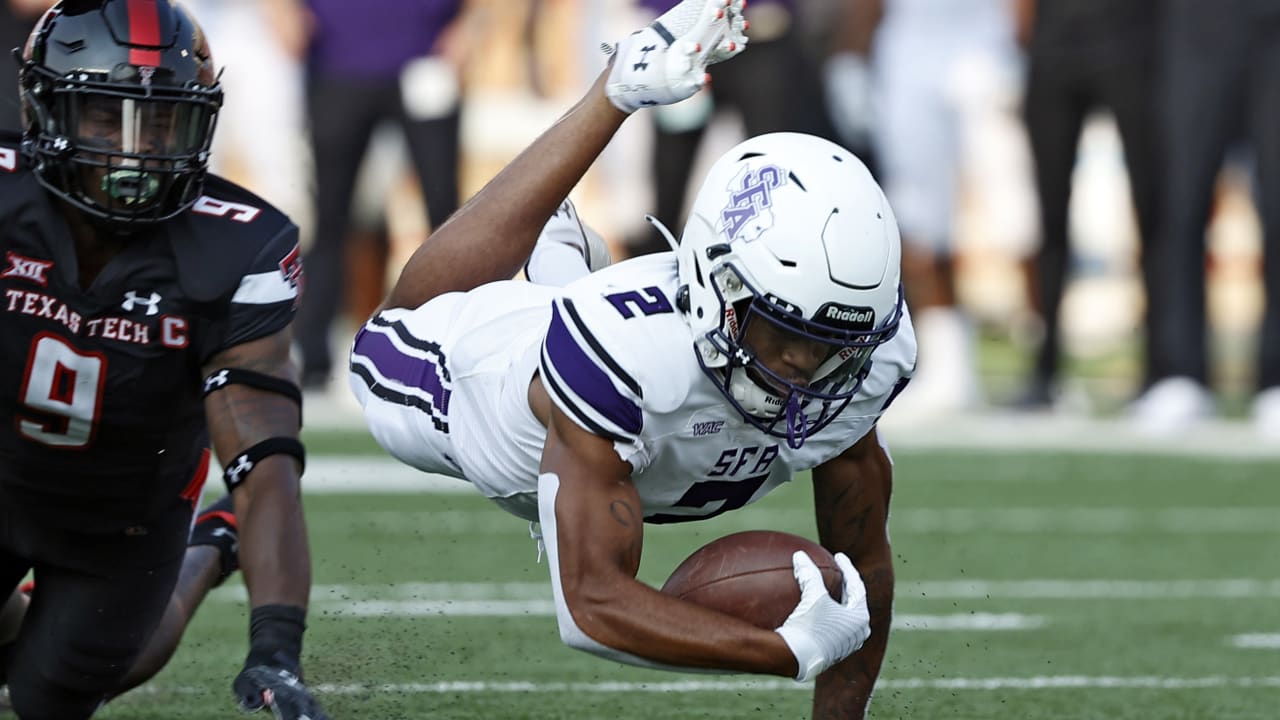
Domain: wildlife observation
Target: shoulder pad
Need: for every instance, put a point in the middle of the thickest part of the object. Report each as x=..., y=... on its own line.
x=217, y=241
x=19, y=188
x=10, y=152
x=631, y=333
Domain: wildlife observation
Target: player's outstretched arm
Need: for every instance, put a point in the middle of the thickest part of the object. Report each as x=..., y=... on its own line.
x=491, y=236
x=592, y=522
x=244, y=413
x=851, y=496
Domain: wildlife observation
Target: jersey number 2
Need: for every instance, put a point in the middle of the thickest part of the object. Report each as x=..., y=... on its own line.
x=67, y=384
x=649, y=301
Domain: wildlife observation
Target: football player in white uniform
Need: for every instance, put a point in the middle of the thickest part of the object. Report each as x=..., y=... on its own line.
x=668, y=388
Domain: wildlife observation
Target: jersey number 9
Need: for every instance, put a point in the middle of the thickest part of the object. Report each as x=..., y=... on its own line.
x=65, y=383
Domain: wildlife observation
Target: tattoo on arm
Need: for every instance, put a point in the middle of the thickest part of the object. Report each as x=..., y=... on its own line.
x=622, y=512
x=625, y=515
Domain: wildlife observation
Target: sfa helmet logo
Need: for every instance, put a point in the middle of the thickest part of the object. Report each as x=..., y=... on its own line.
x=749, y=212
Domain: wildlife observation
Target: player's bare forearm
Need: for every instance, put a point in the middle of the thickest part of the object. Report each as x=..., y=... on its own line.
x=599, y=521
x=843, y=691
x=851, y=498
x=273, y=537
x=513, y=206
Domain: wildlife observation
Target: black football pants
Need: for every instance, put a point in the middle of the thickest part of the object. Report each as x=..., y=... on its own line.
x=343, y=114
x=97, y=600
x=1060, y=94
x=1222, y=61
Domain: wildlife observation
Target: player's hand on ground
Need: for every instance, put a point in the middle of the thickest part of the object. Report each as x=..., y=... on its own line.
x=820, y=631
x=667, y=61
x=278, y=689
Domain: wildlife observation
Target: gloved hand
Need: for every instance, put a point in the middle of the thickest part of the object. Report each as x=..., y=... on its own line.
x=274, y=684
x=667, y=61
x=820, y=631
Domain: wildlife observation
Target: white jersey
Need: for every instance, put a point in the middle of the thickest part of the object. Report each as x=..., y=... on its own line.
x=445, y=389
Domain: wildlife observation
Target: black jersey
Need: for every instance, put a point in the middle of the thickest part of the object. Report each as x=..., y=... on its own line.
x=101, y=386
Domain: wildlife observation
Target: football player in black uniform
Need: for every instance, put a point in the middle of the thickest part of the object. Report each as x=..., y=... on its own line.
x=144, y=317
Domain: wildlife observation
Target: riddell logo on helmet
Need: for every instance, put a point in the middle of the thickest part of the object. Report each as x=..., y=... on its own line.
x=845, y=318
x=851, y=316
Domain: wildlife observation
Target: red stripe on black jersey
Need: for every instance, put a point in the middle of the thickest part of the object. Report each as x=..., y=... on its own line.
x=191, y=493
x=144, y=29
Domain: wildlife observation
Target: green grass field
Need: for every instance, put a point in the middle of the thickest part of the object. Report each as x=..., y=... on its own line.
x=1029, y=586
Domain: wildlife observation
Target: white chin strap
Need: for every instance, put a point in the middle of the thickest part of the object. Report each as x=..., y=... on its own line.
x=754, y=399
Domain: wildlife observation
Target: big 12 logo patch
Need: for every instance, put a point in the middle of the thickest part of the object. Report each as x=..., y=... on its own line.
x=291, y=270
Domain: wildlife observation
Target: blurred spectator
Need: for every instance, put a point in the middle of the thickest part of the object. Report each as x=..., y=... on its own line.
x=1221, y=64
x=1087, y=55
x=17, y=17
x=260, y=142
x=847, y=75
x=773, y=88
x=938, y=67
x=368, y=62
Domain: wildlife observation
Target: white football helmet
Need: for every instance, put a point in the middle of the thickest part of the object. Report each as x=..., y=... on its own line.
x=792, y=230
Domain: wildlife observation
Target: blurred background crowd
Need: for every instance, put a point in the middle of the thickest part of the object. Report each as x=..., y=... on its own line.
x=1085, y=188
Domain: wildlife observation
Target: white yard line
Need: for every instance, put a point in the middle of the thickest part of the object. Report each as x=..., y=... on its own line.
x=1236, y=588
x=384, y=474
x=1256, y=641
x=1094, y=589
x=1093, y=521
x=547, y=608
x=1038, y=682
x=1255, y=520
x=990, y=430
x=1041, y=682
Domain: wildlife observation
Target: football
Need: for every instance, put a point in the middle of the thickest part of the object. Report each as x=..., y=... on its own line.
x=748, y=575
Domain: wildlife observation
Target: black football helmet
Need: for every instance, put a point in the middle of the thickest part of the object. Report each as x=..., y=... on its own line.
x=119, y=102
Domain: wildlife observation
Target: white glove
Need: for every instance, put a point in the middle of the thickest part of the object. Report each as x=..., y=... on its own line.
x=667, y=61
x=820, y=631
x=847, y=78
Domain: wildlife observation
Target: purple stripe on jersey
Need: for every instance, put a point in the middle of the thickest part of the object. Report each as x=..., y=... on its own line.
x=581, y=374
x=410, y=370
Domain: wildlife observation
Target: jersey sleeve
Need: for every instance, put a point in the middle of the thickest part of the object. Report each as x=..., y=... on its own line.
x=587, y=377
x=268, y=292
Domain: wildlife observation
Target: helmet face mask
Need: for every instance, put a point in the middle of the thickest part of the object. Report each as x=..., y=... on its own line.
x=116, y=128
x=791, y=263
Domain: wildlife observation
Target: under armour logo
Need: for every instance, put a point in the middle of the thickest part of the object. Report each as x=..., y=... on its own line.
x=642, y=65
x=131, y=300
x=27, y=269
x=223, y=532
x=61, y=144
x=237, y=472
x=215, y=380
